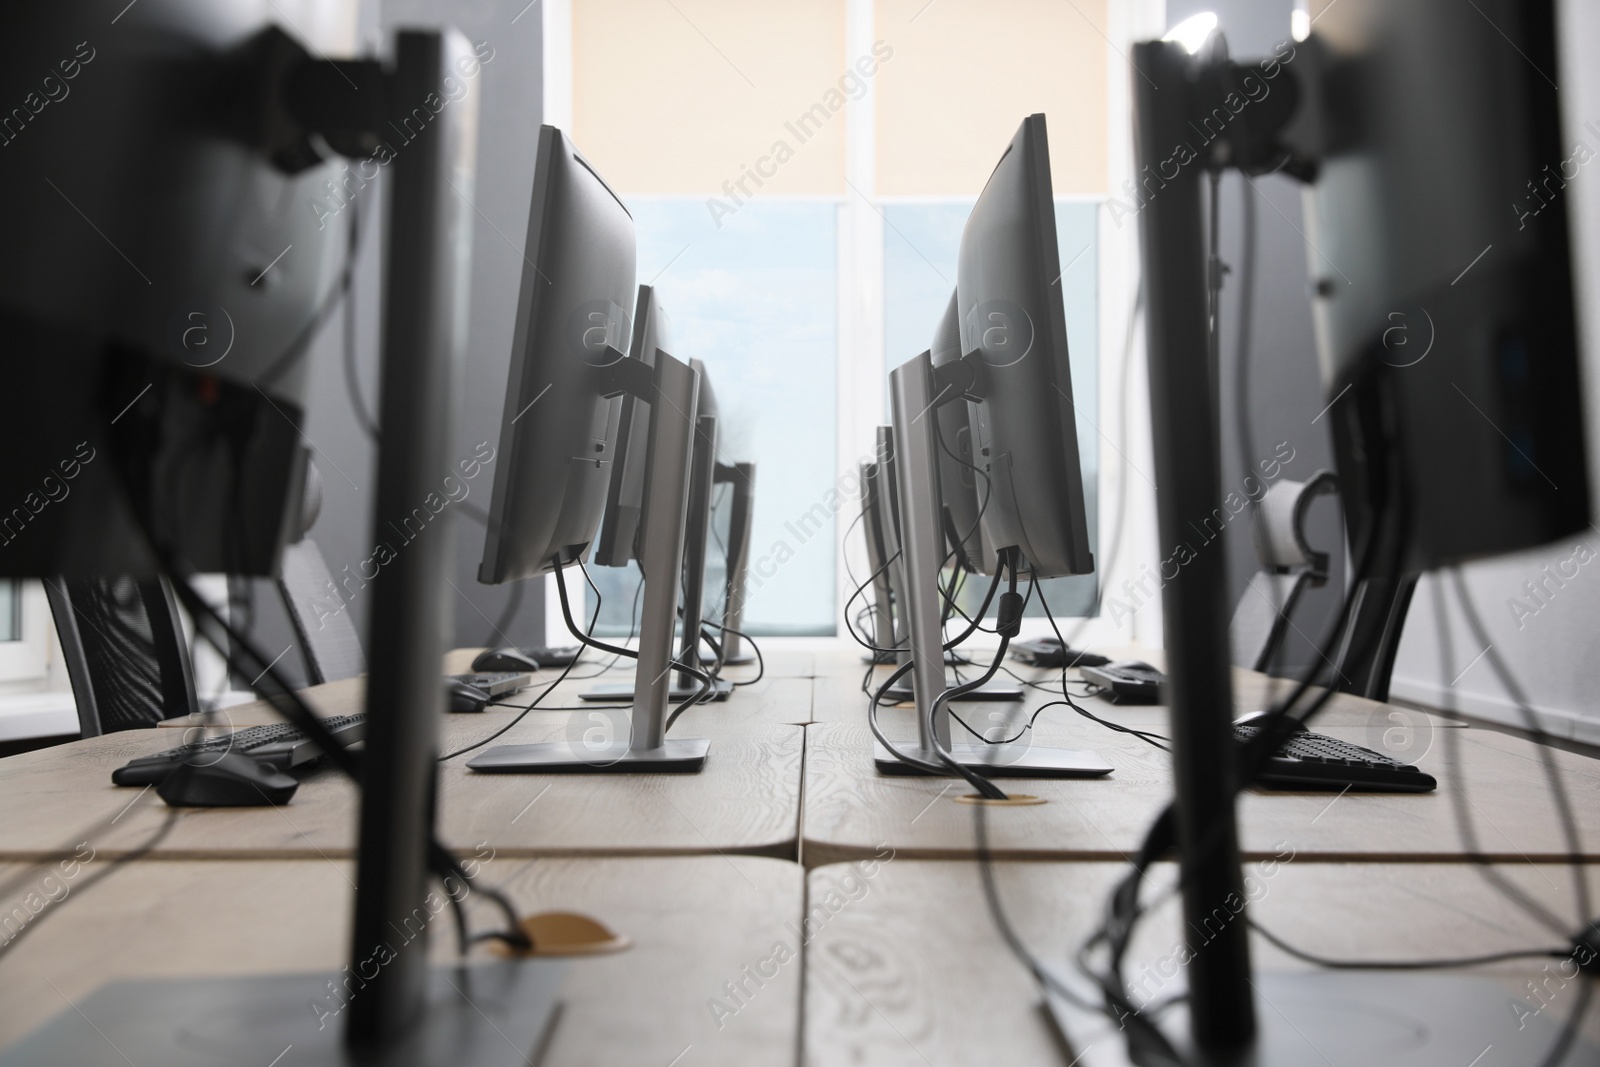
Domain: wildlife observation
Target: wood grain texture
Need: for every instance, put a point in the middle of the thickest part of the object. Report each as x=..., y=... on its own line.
x=850, y=809
x=905, y=966
x=745, y=801
x=695, y=923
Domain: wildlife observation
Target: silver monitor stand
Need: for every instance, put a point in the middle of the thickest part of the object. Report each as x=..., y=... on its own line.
x=912, y=395
x=642, y=744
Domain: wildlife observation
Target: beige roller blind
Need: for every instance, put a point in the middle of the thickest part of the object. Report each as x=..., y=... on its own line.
x=681, y=96
x=964, y=75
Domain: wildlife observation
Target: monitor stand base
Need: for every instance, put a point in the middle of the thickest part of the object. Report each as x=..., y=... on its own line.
x=622, y=693
x=496, y=1014
x=1346, y=1019
x=677, y=755
x=1020, y=760
x=992, y=693
x=728, y=661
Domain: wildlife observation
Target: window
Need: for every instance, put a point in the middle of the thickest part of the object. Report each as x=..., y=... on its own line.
x=799, y=174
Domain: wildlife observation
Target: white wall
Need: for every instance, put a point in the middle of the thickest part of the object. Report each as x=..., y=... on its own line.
x=1552, y=646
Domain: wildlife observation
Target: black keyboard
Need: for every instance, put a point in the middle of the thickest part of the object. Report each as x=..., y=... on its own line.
x=496, y=683
x=1316, y=761
x=280, y=745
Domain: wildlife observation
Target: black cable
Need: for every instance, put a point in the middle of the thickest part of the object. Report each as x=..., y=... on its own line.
x=527, y=708
x=1404, y=965
x=1123, y=910
x=859, y=589
x=633, y=630
x=761, y=663
x=1066, y=697
x=572, y=627
x=1006, y=627
x=977, y=616
x=877, y=731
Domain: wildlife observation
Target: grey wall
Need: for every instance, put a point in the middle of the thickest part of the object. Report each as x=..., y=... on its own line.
x=509, y=89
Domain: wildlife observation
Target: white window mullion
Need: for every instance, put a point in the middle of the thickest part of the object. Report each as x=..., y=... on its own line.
x=861, y=372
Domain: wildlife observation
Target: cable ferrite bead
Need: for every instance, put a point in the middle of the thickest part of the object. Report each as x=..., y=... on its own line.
x=1009, y=622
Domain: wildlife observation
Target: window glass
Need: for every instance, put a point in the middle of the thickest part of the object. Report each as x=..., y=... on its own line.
x=755, y=299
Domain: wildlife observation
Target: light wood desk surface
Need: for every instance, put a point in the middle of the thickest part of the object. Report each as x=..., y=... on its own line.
x=695, y=924
x=905, y=967
x=850, y=809
x=782, y=695
x=745, y=801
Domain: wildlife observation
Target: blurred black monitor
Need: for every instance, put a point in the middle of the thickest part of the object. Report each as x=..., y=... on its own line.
x=1438, y=251
x=559, y=430
x=625, y=492
x=1024, y=431
x=171, y=247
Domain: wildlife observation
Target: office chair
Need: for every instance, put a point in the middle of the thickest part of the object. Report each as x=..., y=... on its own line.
x=1289, y=565
x=126, y=656
x=322, y=620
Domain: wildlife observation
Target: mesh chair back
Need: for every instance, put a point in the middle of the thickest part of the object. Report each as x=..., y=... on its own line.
x=123, y=642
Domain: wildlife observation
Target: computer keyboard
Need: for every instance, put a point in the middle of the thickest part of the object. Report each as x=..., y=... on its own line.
x=1316, y=761
x=280, y=745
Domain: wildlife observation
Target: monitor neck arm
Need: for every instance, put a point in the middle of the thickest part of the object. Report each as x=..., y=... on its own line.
x=625, y=376
x=966, y=378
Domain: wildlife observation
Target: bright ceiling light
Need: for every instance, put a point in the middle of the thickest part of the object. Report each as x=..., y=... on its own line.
x=1192, y=32
x=1300, y=24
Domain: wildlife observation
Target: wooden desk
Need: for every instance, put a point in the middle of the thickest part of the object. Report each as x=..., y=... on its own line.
x=908, y=969
x=850, y=809
x=776, y=699
x=746, y=801
x=695, y=923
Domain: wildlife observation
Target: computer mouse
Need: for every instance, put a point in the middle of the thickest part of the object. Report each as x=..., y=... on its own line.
x=505, y=659
x=464, y=697
x=231, y=780
x=1132, y=665
x=561, y=656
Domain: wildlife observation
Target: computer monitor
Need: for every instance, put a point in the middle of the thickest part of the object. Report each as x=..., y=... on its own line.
x=167, y=324
x=1008, y=287
x=1456, y=372
x=167, y=167
x=697, y=539
x=619, y=525
x=961, y=489
x=1442, y=278
x=558, y=429
x=1014, y=379
x=558, y=446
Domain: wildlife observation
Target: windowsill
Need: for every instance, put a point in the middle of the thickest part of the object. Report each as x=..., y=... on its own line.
x=39, y=714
